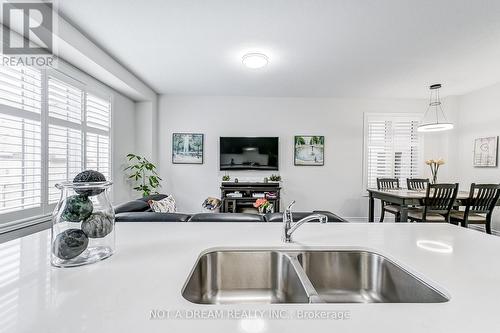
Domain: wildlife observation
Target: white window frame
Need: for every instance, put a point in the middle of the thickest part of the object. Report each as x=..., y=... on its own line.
x=390, y=116
x=72, y=76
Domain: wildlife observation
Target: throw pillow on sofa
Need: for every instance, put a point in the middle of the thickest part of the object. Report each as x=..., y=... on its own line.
x=166, y=205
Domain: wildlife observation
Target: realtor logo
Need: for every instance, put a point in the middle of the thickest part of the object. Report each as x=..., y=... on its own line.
x=30, y=30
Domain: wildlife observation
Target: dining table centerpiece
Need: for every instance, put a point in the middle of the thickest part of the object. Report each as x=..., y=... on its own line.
x=434, y=165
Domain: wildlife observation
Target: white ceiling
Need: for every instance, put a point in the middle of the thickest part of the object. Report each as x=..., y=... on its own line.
x=317, y=48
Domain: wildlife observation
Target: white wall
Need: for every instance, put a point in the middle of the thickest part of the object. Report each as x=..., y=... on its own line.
x=479, y=116
x=146, y=124
x=124, y=138
x=337, y=186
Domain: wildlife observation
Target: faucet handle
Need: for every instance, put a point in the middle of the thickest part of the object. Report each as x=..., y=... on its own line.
x=287, y=214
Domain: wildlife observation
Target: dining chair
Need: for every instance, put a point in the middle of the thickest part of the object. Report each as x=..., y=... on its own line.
x=388, y=184
x=417, y=184
x=438, y=201
x=479, y=206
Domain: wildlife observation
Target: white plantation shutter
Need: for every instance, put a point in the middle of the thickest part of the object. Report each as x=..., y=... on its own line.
x=392, y=147
x=20, y=163
x=97, y=157
x=42, y=144
x=65, y=101
x=98, y=112
x=65, y=109
x=20, y=139
x=65, y=157
x=20, y=88
x=98, y=118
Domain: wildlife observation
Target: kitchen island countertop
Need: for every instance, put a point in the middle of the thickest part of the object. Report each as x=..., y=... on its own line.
x=139, y=288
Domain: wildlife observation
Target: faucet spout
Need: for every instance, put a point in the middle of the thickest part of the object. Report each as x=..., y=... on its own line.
x=289, y=229
x=319, y=217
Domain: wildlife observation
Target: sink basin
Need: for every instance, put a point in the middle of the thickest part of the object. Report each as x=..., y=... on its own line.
x=240, y=277
x=275, y=276
x=364, y=277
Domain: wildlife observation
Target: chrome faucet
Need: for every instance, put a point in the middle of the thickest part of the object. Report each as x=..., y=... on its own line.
x=288, y=229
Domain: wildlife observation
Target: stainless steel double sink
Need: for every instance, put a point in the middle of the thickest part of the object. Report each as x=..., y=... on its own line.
x=275, y=276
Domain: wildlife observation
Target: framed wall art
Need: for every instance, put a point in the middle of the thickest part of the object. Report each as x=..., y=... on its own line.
x=486, y=152
x=309, y=150
x=187, y=148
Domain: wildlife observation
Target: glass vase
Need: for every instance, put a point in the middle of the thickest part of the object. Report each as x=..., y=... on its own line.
x=83, y=224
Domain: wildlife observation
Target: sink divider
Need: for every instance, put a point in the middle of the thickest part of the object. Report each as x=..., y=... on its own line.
x=304, y=279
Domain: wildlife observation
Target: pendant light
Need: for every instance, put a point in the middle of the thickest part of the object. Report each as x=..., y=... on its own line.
x=434, y=118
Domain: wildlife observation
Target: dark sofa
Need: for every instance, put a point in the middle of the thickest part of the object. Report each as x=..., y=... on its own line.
x=139, y=211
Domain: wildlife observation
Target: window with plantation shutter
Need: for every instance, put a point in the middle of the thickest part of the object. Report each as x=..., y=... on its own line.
x=65, y=109
x=20, y=88
x=20, y=168
x=98, y=112
x=393, y=147
x=97, y=157
x=97, y=117
x=65, y=157
x=65, y=101
x=51, y=128
x=20, y=139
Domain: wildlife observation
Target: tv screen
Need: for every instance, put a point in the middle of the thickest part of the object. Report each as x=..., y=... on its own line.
x=239, y=153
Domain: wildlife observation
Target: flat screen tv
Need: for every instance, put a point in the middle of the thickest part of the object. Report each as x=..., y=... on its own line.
x=242, y=153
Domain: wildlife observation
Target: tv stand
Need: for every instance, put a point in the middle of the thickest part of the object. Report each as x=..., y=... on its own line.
x=234, y=204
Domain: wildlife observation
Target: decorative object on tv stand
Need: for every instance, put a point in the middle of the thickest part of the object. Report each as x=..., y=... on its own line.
x=434, y=118
x=264, y=206
x=187, y=148
x=83, y=222
x=275, y=178
x=266, y=180
x=434, y=165
x=144, y=173
x=226, y=178
x=309, y=150
x=486, y=152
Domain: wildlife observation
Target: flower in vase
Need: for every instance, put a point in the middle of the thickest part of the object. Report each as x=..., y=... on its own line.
x=260, y=203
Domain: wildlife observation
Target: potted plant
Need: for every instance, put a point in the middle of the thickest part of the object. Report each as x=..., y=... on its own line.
x=275, y=178
x=144, y=173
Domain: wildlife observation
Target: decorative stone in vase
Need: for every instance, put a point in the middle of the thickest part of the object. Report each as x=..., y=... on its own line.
x=70, y=244
x=98, y=225
x=77, y=208
x=83, y=222
x=89, y=176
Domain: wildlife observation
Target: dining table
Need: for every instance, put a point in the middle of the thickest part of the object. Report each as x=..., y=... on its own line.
x=406, y=199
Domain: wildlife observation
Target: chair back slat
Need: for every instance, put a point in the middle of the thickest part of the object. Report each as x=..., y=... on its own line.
x=388, y=183
x=483, y=198
x=440, y=198
x=417, y=184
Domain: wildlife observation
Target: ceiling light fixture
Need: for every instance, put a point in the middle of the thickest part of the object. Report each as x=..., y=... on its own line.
x=255, y=60
x=435, y=120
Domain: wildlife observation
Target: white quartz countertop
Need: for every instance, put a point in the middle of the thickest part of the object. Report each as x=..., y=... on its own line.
x=153, y=261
